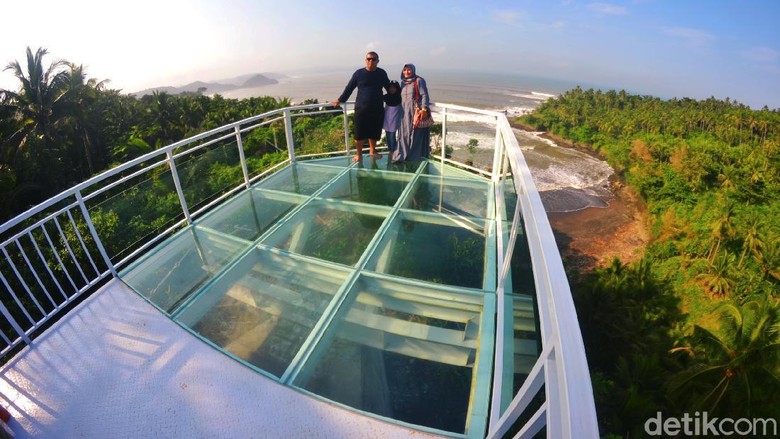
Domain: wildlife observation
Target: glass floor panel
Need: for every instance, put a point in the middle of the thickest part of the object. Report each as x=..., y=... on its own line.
x=438, y=249
x=451, y=196
x=403, y=355
x=335, y=233
x=435, y=167
x=349, y=282
x=250, y=213
x=177, y=268
x=299, y=178
x=264, y=308
x=364, y=186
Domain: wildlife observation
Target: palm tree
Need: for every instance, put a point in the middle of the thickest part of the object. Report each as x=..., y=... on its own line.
x=718, y=280
x=37, y=107
x=735, y=370
x=80, y=96
x=769, y=257
x=164, y=113
x=752, y=243
x=132, y=148
x=722, y=228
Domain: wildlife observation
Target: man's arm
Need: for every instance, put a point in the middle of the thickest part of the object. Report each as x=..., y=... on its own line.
x=351, y=85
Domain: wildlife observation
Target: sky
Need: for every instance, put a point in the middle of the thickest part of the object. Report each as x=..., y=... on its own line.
x=665, y=48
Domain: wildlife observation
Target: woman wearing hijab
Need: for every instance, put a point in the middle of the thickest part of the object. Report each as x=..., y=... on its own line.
x=413, y=143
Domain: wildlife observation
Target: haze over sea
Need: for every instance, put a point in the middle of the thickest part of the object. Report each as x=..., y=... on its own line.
x=567, y=179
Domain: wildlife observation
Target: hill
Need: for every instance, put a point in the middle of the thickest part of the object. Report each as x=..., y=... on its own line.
x=220, y=86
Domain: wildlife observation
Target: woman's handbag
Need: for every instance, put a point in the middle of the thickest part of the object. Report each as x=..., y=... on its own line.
x=422, y=118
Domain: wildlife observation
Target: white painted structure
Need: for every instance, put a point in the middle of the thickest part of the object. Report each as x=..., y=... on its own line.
x=115, y=367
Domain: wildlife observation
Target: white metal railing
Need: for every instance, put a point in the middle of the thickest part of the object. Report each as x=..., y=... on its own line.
x=53, y=253
x=58, y=239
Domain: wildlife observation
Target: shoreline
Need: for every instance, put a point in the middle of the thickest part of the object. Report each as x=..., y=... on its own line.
x=592, y=237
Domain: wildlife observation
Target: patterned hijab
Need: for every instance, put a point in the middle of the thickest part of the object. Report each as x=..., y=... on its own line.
x=410, y=79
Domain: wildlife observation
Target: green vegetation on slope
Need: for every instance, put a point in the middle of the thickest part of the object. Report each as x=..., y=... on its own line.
x=695, y=325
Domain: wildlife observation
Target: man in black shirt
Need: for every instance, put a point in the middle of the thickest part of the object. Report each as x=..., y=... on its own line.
x=369, y=106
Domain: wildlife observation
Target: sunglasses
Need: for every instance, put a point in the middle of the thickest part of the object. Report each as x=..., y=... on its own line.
x=370, y=59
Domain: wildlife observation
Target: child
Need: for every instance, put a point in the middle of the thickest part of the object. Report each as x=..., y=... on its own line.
x=393, y=112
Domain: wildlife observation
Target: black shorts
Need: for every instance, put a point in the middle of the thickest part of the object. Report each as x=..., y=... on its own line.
x=368, y=123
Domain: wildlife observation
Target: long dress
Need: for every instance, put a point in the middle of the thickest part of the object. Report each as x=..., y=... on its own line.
x=413, y=144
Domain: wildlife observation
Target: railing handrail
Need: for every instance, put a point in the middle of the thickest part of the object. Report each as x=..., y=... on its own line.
x=569, y=409
x=563, y=359
x=146, y=157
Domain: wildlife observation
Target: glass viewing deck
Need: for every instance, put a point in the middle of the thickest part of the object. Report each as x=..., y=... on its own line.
x=428, y=294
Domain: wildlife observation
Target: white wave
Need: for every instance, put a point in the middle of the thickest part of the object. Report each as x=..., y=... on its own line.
x=534, y=95
x=515, y=111
x=453, y=116
x=570, y=176
x=458, y=139
x=536, y=135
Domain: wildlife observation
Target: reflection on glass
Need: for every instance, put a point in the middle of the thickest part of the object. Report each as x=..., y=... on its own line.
x=441, y=252
x=177, y=268
x=400, y=355
x=299, y=178
x=371, y=187
x=264, y=308
x=335, y=234
x=249, y=214
x=338, y=161
x=510, y=199
x=521, y=265
x=455, y=197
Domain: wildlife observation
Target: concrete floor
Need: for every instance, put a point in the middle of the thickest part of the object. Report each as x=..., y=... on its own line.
x=115, y=367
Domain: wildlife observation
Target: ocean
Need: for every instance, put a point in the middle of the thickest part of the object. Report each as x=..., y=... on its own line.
x=567, y=179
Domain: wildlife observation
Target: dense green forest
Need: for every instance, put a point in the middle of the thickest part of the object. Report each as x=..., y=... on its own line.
x=695, y=324
x=60, y=128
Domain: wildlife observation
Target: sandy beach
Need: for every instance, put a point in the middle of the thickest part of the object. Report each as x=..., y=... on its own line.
x=594, y=236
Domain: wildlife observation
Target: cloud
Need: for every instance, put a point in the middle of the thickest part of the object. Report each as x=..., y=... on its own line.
x=607, y=9
x=692, y=36
x=507, y=17
x=761, y=54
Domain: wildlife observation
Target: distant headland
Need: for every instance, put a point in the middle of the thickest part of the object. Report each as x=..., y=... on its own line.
x=252, y=80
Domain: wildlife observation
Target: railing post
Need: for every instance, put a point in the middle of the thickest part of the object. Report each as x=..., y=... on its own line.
x=93, y=232
x=10, y=318
x=179, y=190
x=241, y=156
x=443, y=135
x=497, y=152
x=289, y=135
x=346, y=127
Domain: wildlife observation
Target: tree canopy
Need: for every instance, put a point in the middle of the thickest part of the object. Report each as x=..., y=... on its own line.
x=693, y=326
x=60, y=119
